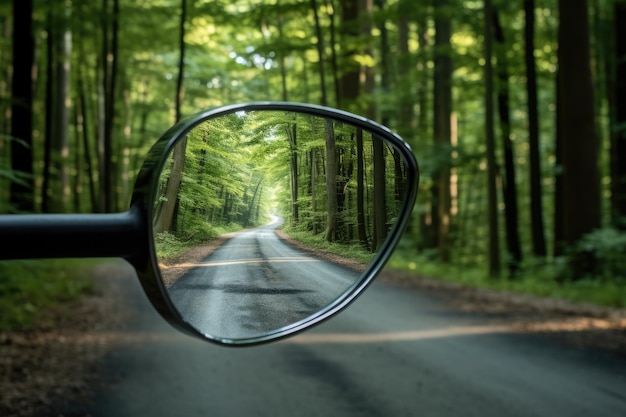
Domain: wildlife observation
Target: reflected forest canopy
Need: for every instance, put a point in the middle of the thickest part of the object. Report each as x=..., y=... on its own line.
x=323, y=177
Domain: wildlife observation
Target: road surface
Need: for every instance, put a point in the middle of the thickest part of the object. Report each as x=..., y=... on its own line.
x=394, y=352
x=256, y=283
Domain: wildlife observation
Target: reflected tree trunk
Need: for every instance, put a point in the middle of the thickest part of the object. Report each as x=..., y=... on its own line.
x=360, y=190
x=380, y=194
x=165, y=219
x=293, y=165
x=331, y=181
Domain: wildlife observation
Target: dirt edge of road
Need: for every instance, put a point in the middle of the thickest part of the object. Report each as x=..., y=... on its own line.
x=42, y=368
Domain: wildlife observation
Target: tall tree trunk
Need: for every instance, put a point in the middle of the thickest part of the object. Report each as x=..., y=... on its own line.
x=536, y=204
x=360, y=191
x=618, y=138
x=385, y=66
x=281, y=58
x=84, y=124
x=349, y=80
x=509, y=187
x=22, y=190
x=330, y=9
x=59, y=162
x=367, y=75
x=248, y=220
x=492, y=212
x=45, y=186
x=109, y=79
x=405, y=94
x=427, y=221
x=331, y=181
x=124, y=150
x=293, y=167
x=180, y=91
x=441, y=214
x=320, y=53
x=576, y=124
x=380, y=194
x=164, y=221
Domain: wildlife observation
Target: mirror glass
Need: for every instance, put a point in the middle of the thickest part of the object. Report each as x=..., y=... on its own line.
x=263, y=218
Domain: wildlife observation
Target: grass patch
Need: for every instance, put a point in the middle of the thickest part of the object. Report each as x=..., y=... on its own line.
x=168, y=245
x=28, y=287
x=535, y=280
x=353, y=251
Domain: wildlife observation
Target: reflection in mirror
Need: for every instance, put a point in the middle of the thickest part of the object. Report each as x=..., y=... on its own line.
x=243, y=201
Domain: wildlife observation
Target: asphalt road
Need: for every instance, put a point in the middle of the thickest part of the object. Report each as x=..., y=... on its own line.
x=394, y=352
x=256, y=283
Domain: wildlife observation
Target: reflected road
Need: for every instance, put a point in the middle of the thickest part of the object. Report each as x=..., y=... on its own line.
x=255, y=283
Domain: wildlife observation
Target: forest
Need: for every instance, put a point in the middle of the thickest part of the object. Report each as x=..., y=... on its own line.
x=515, y=110
x=315, y=175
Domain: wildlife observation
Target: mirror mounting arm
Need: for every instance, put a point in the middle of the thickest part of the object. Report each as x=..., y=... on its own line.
x=72, y=235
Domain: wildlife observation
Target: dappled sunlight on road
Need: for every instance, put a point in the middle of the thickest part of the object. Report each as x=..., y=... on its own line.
x=240, y=262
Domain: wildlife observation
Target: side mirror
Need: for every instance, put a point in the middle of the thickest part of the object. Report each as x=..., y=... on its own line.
x=247, y=188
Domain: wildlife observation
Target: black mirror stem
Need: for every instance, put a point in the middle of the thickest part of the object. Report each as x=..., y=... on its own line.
x=72, y=235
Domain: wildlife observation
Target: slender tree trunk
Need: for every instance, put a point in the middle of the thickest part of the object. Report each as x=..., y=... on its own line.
x=180, y=91
x=293, y=166
x=536, y=203
x=59, y=162
x=367, y=75
x=281, y=57
x=576, y=124
x=405, y=94
x=45, y=186
x=360, y=191
x=320, y=53
x=380, y=194
x=349, y=80
x=509, y=187
x=330, y=8
x=331, y=181
x=442, y=128
x=248, y=219
x=494, y=244
x=164, y=222
x=386, y=112
x=618, y=138
x=22, y=191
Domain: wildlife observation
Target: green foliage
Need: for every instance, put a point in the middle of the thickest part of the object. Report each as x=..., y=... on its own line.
x=28, y=288
x=348, y=250
x=169, y=245
x=536, y=279
x=254, y=50
x=599, y=256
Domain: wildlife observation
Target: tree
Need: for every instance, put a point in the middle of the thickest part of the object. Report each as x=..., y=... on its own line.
x=331, y=181
x=22, y=185
x=580, y=194
x=380, y=199
x=59, y=192
x=536, y=205
x=618, y=138
x=494, y=239
x=509, y=186
x=442, y=106
x=166, y=219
